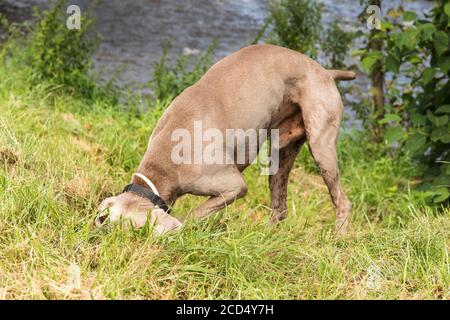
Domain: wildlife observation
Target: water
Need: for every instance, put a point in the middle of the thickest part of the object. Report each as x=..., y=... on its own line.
x=134, y=31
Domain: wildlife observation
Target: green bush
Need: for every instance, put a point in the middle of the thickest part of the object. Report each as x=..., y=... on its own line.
x=335, y=45
x=416, y=59
x=296, y=24
x=61, y=56
x=168, y=82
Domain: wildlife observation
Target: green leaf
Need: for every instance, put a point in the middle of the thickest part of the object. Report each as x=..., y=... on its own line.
x=427, y=31
x=443, y=109
x=440, y=133
x=358, y=52
x=408, y=39
x=377, y=54
x=415, y=142
x=427, y=75
x=440, y=42
x=371, y=59
x=438, y=121
x=369, y=62
x=380, y=35
x=393, y=134
x=392, y=64
x=386, y=25
x=414, y=59
x=390, y=117
x=409, y=16
x=445, y=138
x=447, y=9
x=418, y=119
x=442, y=194
x=444, y=64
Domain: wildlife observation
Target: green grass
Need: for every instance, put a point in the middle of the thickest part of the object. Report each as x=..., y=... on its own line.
x=60, y=155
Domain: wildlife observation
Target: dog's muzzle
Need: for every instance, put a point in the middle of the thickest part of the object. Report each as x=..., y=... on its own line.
x=101, y=218
x=141, y=191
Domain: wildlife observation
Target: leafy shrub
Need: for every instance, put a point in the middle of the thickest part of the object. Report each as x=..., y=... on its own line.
x=62, y=56
x=168, y=82
x=417, y=60
x=335, y=45
x=296, y=24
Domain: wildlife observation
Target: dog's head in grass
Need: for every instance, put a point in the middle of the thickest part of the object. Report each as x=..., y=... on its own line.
x=134, y=211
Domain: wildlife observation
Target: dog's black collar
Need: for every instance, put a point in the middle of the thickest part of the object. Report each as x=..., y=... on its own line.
x=149, y=194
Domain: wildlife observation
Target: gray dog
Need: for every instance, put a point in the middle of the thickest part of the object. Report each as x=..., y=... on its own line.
x=258, y=87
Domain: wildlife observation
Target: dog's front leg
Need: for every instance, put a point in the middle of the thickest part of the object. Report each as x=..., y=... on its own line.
x=223, y=190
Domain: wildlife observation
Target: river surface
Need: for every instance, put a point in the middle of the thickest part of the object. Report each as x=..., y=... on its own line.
x=133, y=31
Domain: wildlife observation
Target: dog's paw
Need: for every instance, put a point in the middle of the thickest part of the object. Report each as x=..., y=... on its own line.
x=342, y=226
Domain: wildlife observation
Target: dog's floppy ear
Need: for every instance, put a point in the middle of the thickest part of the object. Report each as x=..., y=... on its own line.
x=163, y=222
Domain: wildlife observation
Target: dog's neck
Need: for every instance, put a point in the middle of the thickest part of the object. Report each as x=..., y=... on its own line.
x=162, y=180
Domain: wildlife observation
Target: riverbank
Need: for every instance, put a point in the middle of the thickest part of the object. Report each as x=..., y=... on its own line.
x=61, y=154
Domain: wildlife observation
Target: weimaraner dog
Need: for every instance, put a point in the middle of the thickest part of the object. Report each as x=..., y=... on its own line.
x=258, y=87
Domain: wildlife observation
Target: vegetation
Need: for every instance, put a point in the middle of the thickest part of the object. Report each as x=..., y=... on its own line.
x=415, y=53
x=168, y=82
x=63, y=151
x=377, y=77
x=297, y=24
x=411, y=54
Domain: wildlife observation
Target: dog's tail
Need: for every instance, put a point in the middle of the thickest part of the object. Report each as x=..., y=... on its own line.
x=342, y=75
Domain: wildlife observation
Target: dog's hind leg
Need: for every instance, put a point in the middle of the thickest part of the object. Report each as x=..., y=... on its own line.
x=322, y=120
x=279, y=181
x=291, y=138
x=223, y=188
